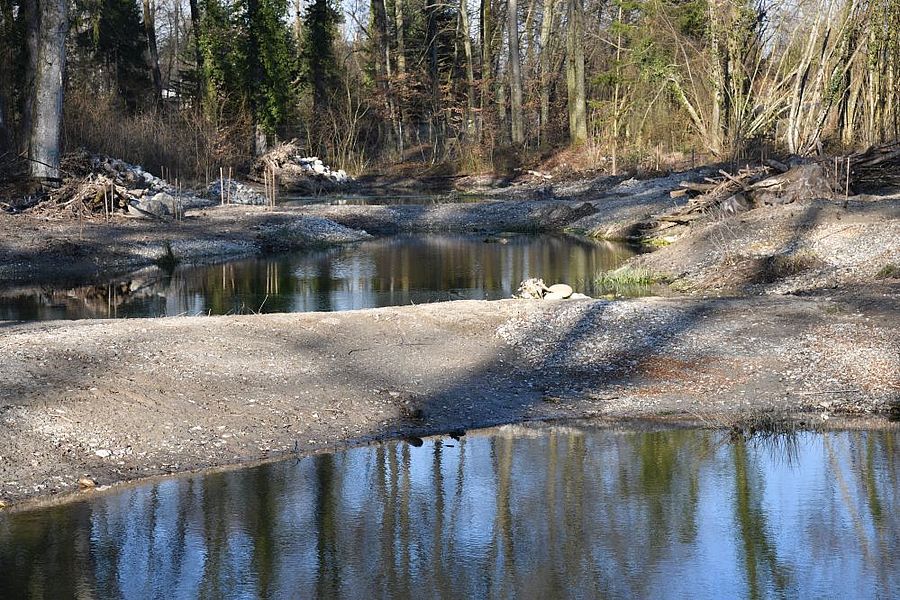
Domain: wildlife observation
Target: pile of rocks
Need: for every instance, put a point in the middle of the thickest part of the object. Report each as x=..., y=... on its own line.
x=536, y=289
x=296, y=172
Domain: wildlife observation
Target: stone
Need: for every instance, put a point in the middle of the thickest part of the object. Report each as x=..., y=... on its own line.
x=554, y=296
x=103, y=453
x=561, y=288
x=87, y=483
x=579, y=296
x=160, y=205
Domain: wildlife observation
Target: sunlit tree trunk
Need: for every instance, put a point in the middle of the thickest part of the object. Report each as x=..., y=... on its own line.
x=47, y=100
x=487, y=61
x=383, y=70
x=470, y=70
x=546, y=29
x=298, y=23
x=575, y=73
x=516, y=118
x=152, y=49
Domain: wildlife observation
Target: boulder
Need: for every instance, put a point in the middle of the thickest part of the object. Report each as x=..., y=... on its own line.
x=160, y=205
x=562, y=289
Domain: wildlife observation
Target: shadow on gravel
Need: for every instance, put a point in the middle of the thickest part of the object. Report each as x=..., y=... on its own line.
x=509, y=389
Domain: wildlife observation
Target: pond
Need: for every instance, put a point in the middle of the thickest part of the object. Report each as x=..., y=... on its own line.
x=390, y=271
x=541, y=512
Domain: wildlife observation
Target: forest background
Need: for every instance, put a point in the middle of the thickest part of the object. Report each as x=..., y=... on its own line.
x=190, y=86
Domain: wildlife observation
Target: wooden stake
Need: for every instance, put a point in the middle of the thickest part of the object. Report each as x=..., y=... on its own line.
x=222, y=185
x=847, y=188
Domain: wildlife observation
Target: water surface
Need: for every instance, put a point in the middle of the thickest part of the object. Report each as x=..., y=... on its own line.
x=515, y=513
x=392, y=271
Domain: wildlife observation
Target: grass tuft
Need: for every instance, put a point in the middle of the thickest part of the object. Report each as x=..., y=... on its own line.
x=888, y=271
x=627, y=282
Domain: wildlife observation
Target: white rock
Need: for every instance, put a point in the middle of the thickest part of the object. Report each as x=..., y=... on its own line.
x=554, y=296
x=561, y=288
x=103, y=453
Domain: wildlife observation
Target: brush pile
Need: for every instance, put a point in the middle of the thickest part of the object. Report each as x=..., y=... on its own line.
x=96, y=185
x=298, y=173
x=876, y=168
x=749, y=188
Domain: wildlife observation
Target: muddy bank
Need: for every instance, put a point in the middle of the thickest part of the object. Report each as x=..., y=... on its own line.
x=120, y=400
x=34, y=249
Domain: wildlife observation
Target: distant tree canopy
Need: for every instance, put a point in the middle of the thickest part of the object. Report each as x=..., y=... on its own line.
x=468, y=81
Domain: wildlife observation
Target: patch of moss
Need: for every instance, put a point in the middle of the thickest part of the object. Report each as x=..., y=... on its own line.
x=657, y=242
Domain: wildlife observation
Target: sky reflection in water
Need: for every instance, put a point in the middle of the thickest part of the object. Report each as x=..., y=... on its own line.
x=547, y=513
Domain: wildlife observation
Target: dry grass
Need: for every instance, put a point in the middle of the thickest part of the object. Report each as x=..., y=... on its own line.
x=168, y=142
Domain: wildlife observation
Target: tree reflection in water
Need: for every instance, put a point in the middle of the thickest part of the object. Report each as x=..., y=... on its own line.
x=392, y=271
x=516, y=512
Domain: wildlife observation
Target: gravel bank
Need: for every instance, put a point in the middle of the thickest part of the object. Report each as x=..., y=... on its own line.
x=120, y=400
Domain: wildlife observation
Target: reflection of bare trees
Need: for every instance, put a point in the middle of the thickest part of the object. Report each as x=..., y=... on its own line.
x=382, y=272
x=592, y=513
x=760, y=557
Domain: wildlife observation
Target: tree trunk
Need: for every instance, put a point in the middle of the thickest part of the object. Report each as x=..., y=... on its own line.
x=470, y=71
x=401, y=43
x=616, y=93
x=546, y=29
x=575, y=73
x=198, y=55
x=256, y=78
x=431, y=34
x=298, y=24
x=516, y=118
x=487, y=60
x=153, y=50
x=32, y=43
x=47, y=100
x=383, y=67
x=401, y=67
x=4, y=129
